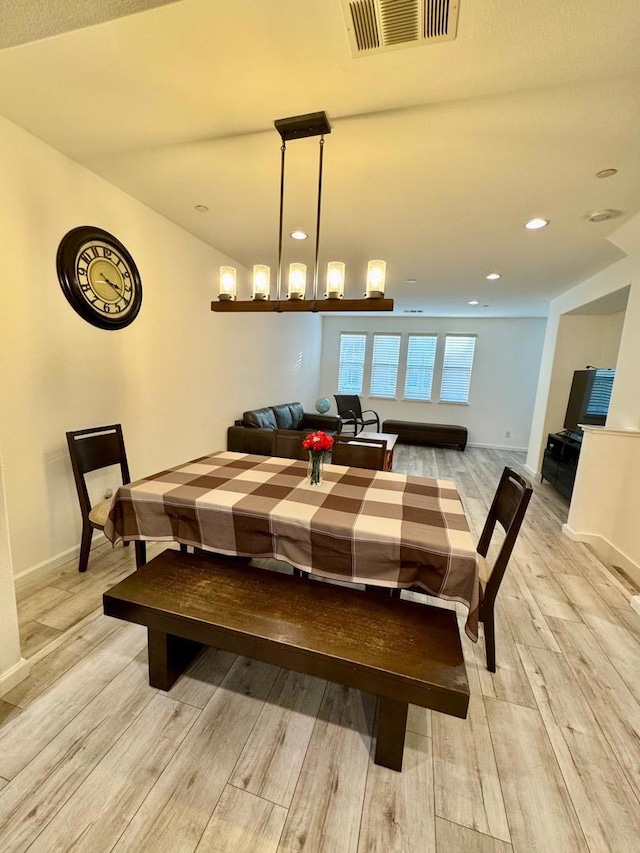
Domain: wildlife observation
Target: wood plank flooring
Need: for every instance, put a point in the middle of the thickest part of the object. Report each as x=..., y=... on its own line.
x=243, y=757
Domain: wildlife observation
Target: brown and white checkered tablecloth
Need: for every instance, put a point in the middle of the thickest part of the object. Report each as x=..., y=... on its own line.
x=373, y=527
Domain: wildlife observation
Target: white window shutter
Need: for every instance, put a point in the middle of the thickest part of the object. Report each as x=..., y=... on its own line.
x=384, y=366
x=421, y=358
x=456, y=368
x=351, y=363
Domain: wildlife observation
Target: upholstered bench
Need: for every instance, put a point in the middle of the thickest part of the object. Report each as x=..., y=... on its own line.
x=417, y=433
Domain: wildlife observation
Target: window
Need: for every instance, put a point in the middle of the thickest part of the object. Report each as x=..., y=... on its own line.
x=598, y=403
x=384, y=365
x=351, y=364
x=456, y=368
x=421, y=357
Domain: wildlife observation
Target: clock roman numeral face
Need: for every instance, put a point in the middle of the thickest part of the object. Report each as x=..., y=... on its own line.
x=105, y=279
x=99, y=277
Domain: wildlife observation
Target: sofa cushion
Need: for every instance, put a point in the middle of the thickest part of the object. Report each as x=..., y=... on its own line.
x=260, y=418
x=297, y=415
x=288, y=415
x=282, y=414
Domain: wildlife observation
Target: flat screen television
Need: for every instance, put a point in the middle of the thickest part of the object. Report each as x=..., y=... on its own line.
x=589, y=398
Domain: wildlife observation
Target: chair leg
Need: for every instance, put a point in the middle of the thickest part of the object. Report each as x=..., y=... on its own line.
x=85, y=546
x=490, y=641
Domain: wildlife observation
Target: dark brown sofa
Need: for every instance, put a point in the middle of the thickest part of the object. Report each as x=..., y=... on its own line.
x=254, y=433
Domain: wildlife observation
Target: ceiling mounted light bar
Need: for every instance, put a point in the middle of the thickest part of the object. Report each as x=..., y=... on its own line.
x=300, y=127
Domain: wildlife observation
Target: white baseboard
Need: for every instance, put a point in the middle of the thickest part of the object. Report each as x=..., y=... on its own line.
x=34, y=572
x=606, y=551
x=15, y=675
x=635, y=603
x=535, y=475
x=498, y=447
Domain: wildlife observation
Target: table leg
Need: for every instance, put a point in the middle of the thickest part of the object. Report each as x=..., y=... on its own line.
x=141, y=554
x=169, y=656
x=392, y=724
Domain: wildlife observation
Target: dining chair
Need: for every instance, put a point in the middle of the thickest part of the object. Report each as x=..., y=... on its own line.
x=287, y=443
x=359, y=452
x=351, y=413
x=90, y=450
x=508, y=509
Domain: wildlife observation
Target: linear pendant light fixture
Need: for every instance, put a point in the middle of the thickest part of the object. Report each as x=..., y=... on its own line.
x=299, y=127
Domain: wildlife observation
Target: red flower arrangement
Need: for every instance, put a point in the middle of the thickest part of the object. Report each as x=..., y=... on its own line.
x=317, y=443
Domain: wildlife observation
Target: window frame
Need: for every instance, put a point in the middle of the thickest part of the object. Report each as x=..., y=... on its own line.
x=413, y=335
x=452, y=335
x=363, y=365
x=372, y=368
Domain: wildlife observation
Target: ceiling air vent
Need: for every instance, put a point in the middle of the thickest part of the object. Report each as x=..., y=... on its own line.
x=378, y=26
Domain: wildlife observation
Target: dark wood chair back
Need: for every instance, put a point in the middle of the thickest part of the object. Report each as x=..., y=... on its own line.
x=359, y=452
x=351, y=413
x=287, y=443
x=508, y=509
x=91, y=449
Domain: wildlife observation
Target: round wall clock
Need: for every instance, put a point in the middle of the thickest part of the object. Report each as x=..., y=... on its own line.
x=99, y=277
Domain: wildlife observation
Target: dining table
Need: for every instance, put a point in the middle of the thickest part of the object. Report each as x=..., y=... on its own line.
x=377, y=528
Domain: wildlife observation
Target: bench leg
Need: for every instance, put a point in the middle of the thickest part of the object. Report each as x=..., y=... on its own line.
x=169, y=656
x=392, y=724
x=141, y=553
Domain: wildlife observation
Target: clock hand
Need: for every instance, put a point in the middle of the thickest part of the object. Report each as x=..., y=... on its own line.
x=110, y=283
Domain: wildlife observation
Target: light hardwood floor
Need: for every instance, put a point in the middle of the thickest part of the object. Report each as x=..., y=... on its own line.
x=242, y=756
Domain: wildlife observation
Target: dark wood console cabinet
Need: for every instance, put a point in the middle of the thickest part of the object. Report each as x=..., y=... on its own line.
x=560, y=462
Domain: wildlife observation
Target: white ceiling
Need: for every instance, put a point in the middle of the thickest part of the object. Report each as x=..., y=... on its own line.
x=438, y=153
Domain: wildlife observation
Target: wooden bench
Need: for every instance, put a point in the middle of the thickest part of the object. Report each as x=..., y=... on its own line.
x=402, y=651
x=414, y=432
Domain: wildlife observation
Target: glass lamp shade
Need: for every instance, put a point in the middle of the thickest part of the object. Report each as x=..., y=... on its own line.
x=335, y=280
x=297, y=280
x=261, y=274
x=227, y=283
x=376, y=272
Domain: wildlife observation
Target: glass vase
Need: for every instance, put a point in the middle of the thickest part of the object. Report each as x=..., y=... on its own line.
x=316, y=459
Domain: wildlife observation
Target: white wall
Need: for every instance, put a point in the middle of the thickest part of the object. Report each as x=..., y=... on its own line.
x=555, y=380
x=606, y=498
x=503, y=385
x=12, y=666
x=176, y=378
x=582, y=339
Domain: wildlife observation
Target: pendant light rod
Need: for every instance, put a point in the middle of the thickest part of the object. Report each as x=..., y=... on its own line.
x=283, y=150
x=315, y=266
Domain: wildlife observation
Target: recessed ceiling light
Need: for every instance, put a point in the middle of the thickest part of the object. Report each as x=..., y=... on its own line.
x=202, y=208
x=299, y=235
x=493, y=276
x=607, y=173
x=537, y=222
x=410, y=280
x=474, y=302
